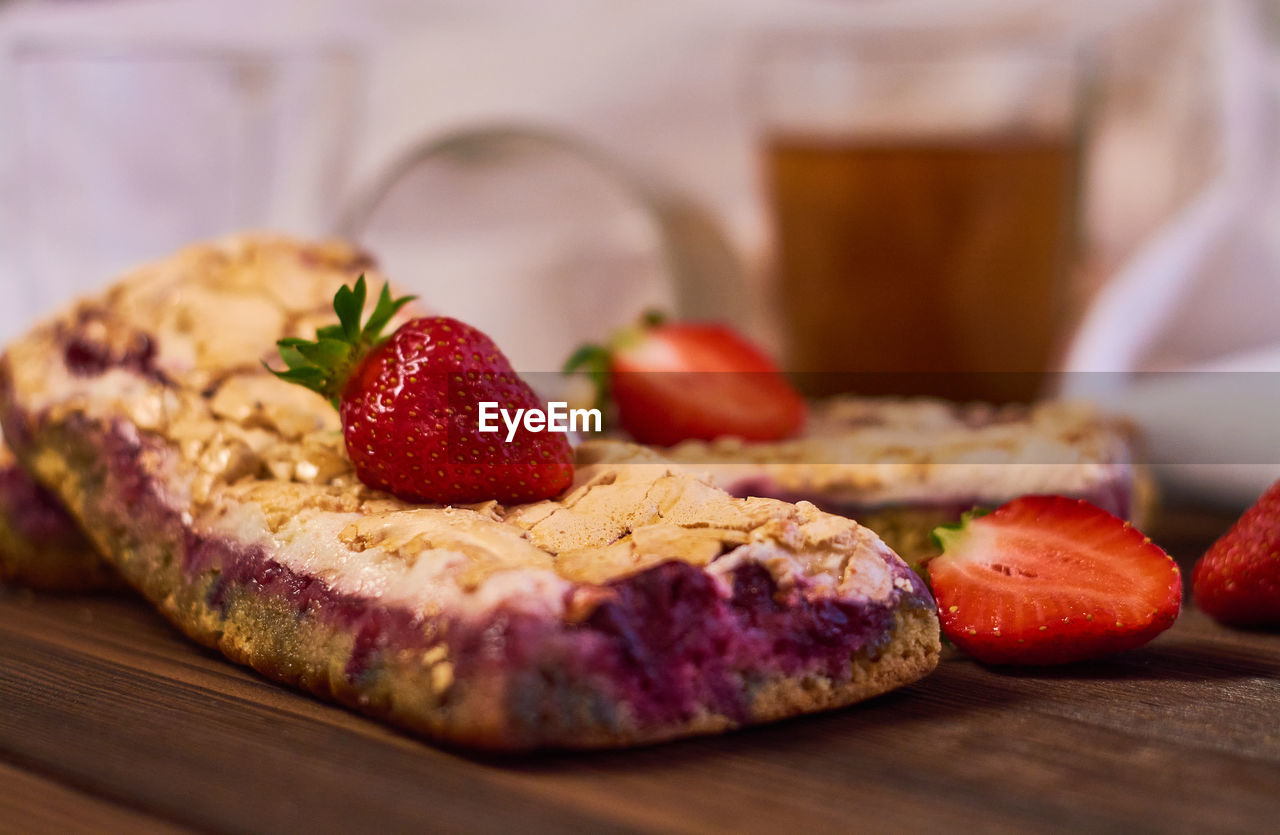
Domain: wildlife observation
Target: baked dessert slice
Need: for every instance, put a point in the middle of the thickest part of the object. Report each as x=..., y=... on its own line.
x=40, y=545
x=903, y=467
x=643, y=604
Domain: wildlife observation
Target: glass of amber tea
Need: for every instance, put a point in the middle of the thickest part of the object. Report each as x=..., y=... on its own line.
x=923, y=192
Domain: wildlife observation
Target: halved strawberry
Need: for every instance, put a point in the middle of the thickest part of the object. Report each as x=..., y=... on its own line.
x=676, y=381
x=1049, y=580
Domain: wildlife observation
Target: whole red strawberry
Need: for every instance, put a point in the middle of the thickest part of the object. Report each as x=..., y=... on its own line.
x=410, y=406
x=1049, y=580
x=1237, y=581
x=677, y=381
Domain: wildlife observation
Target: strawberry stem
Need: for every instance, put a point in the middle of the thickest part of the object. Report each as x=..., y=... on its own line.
x=652, y=318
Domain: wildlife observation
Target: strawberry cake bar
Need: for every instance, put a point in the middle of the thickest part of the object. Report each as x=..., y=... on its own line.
x=641, y=604
x=904, y=467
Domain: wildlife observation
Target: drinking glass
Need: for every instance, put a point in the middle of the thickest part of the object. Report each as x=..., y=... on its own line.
x=923, y=190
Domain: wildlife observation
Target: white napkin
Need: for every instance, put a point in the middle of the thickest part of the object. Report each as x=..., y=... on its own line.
x=1186, y=336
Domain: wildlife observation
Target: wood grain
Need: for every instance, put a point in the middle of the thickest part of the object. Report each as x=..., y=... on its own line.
x=33, y=804
x=109, y=719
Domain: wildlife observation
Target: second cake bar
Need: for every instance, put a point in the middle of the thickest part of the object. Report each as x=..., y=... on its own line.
x=904, y=467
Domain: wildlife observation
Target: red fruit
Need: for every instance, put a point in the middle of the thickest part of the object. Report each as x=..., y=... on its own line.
x=409, y=406
x=680, y=381
x=1237, y=581
x=1049, y=580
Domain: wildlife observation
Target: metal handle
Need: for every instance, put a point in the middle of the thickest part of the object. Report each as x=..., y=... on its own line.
x=706, y=274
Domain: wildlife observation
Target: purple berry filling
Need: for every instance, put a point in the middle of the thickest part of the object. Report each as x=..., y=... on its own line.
x=89, y=359
x=32, y=510
x=674, y=641
x=85, y=357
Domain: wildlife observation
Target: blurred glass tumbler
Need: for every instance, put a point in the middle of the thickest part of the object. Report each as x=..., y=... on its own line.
x=924, y=200
x=130, y=152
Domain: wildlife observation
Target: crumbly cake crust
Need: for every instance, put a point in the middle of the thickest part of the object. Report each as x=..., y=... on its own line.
x=641, y=605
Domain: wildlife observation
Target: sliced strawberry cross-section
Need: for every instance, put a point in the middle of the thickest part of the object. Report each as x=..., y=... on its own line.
x=1050, y=580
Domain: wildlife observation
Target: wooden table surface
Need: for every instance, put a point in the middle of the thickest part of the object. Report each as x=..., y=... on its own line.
x=110, y=720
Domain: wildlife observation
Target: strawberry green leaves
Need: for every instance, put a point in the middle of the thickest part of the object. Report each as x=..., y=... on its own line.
x=596, y=360
x=945, y=536
x=382, y=313
x=593, y=360
x=348, y=303
x=325, y=363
